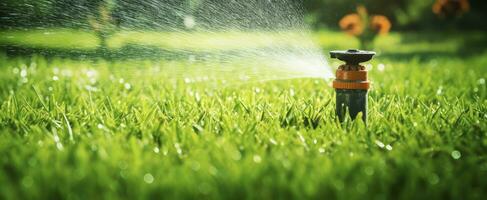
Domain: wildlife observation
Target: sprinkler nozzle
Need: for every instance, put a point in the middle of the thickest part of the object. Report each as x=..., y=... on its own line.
x=351, y=83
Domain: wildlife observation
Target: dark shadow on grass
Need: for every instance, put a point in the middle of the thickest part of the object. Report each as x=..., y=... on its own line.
x=468, y=44
x=418, y=56
x=142, y=52
x=126, y=52
x=432, y=55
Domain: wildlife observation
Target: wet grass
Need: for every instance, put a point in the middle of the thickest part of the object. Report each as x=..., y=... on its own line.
x=94, y=129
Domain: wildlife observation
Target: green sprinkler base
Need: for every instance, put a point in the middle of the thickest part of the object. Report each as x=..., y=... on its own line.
x=351, y=101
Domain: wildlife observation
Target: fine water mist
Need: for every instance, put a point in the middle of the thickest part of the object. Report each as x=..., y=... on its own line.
x=244, y=40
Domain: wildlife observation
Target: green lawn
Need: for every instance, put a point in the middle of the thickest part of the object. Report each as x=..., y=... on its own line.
x=78, y=39
x=85, y=129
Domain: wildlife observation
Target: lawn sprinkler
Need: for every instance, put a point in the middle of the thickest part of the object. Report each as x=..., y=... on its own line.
x=351, y=83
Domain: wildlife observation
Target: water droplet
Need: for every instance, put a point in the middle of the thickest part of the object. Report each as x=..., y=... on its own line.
x=189, y=22
x=481, y=81
x=148, y=178
x=456, y=154
x=156, y=150
x=91, y=88
x=381, y=67
x=439, y=91
x=369, y=67
x=33, y=65
x=178, y=148
x=257, y=90
x=55, y=78
x=273, y=141
x=23, y=73
x=321, y=150
x=90, y=73
x=56, y=138
x=389, y=147
x=380, y=144
x=257, y=159
x=301, y=138
x=59, y=146
x=127, y=86
x=197, y=97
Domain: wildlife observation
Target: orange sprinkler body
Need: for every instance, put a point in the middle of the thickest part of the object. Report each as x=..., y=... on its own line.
x=352, y=80
x=351, y=83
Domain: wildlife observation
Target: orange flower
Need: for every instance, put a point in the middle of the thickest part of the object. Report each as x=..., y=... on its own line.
x=464, y=5
x=364, y=26
x=352, y=24
x=451, y=7
x=380, y=24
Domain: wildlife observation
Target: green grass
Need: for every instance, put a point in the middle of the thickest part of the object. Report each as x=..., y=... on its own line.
x=76, y=39
x=50, y=38
x=421, y=43
x=94, y=129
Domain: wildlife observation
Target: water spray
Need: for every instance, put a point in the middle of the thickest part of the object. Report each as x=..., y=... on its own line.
x=351, y=84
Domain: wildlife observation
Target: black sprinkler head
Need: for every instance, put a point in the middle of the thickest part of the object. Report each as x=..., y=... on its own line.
x=352, y=56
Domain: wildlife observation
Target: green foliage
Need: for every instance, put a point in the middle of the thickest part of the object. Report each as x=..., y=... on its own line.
x=72, y=129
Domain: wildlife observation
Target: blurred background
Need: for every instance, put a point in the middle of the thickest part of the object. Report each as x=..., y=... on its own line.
x=98, y=26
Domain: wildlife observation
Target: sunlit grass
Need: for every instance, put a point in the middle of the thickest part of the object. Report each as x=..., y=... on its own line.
x=232, y=40
x=129, y=129
x=50, y=38
x=227, y=40
x=198, y=40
